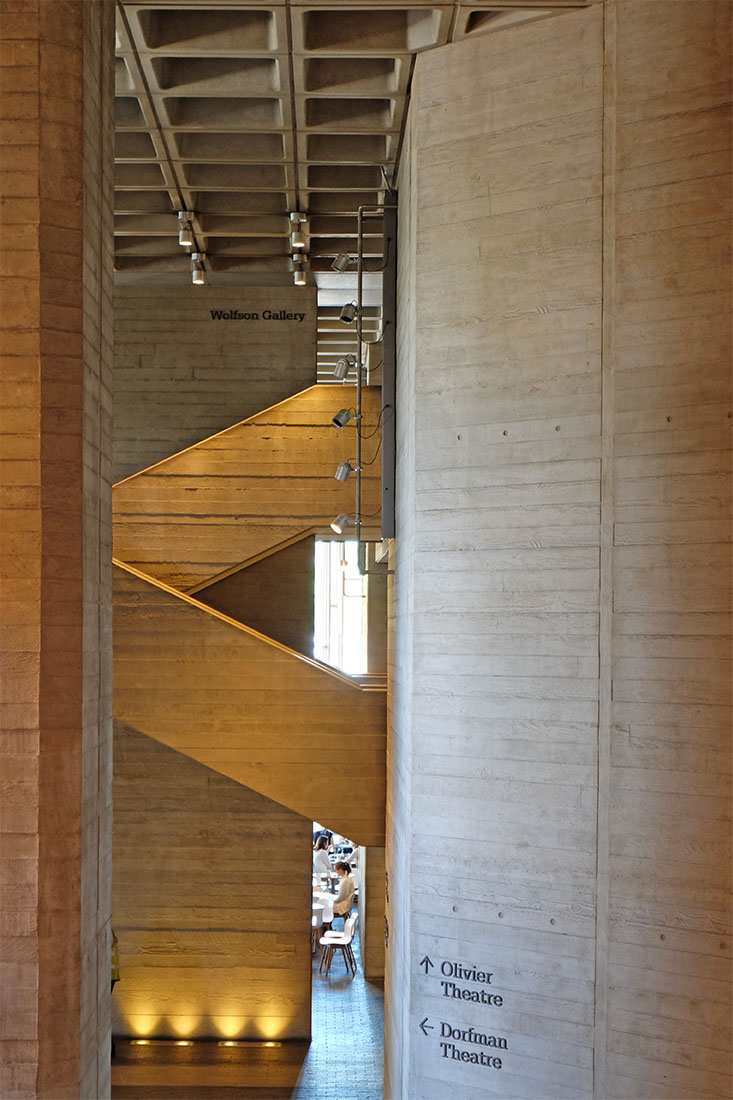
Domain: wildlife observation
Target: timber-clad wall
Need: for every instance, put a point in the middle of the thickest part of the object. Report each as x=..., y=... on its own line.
x=560, y=820
x=212, y=882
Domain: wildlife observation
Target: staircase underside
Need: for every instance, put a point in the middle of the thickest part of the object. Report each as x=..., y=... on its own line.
x=250, y=708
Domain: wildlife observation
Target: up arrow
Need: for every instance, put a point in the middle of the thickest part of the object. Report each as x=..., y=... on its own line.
x=426, y=962
x=425, y=1030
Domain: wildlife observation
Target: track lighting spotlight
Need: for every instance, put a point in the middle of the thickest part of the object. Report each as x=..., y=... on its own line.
x=198, y=271
x=342, y=417
x=297, y=235
x=343, y=366
x=341, y=522
x=344, y=470
x=185, y=233
x=348, y=313
x=342, y=261
x=300, y=262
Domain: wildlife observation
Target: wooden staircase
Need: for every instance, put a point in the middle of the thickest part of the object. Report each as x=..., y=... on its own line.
x=247, y=491
x=278, y=721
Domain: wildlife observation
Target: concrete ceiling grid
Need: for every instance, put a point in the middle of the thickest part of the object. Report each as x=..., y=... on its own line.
x=242, y=111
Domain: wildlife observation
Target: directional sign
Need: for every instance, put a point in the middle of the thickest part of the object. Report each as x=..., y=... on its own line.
x=426, y=962
x=425, y=1029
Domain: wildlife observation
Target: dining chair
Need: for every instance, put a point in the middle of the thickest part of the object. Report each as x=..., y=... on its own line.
x=330, y=941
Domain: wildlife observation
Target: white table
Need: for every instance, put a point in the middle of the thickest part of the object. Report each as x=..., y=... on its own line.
x=326, y=900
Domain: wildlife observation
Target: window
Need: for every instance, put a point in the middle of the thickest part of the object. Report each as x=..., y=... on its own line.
x=340, y=618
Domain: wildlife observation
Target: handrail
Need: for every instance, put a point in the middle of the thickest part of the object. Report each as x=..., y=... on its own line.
x=260, y=556
x=341, y=676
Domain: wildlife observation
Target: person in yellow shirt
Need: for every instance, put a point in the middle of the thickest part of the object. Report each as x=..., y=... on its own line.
x=342, y=904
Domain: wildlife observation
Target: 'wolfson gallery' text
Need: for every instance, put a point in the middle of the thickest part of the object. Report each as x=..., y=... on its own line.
x=266, y=315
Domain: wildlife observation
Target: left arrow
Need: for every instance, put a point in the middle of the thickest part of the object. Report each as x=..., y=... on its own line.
x=425, y=1030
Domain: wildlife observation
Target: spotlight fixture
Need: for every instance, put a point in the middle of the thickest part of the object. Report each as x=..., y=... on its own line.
x=342, y=261
x=343, y=366
x=299, y=268
x=341, y=522
x=348, y=313
x=344, y=470
x=198, y=271
x=297, y=236
x=185, y=233
x=343, y=416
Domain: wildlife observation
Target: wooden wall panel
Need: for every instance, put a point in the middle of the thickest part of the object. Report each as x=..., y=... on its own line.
x=181, y=375
x=236, y=962
x=274, y=596
x=239, y=495
x=253, y=710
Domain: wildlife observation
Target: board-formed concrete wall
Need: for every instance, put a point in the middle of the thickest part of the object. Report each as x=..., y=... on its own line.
x=210, y=904
x=371, y=912
x=192, y=361
x=56, y=138
x=558, y=812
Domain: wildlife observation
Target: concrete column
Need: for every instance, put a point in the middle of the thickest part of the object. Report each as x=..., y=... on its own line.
x=56, y=66
x=558, y=802
x=371, y=912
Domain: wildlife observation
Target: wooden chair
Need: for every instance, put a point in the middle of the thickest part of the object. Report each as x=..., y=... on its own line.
x=330, y=941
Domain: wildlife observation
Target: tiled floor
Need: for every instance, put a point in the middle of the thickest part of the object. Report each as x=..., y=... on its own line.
x=343, y=1061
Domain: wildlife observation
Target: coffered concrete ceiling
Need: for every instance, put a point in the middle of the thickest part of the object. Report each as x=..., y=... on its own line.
x=242, y=111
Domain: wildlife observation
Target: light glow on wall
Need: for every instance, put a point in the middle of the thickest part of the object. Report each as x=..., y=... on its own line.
x=184, y=1025
x=230, y=1025
x=271, y=1027
x=142, y=1023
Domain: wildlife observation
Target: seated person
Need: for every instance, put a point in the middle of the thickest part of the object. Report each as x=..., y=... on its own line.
x=321, y=862
x=342, y=904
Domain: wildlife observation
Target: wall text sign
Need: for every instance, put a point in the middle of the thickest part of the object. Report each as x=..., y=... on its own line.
x=456, y=1042
x=265, y=315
